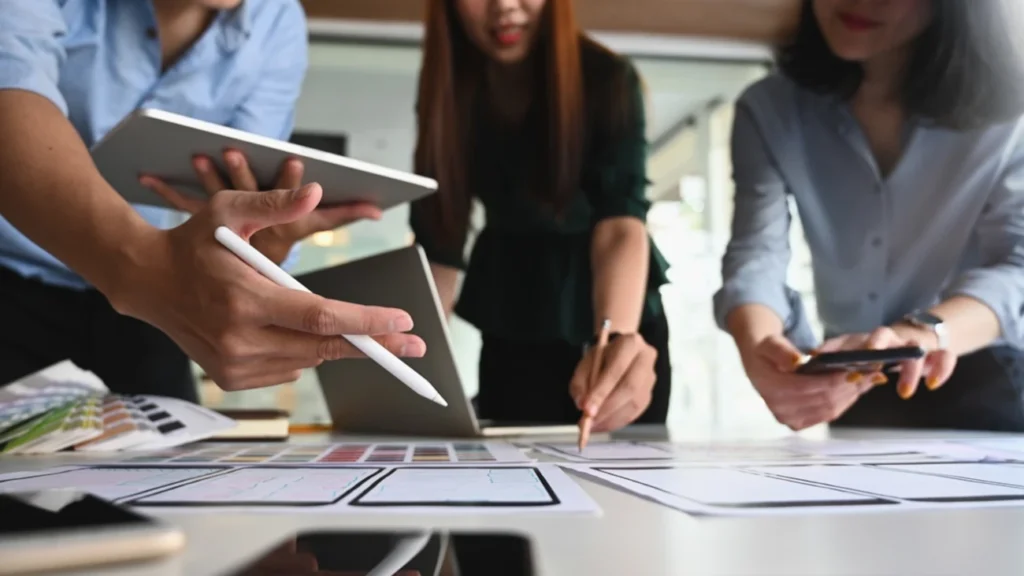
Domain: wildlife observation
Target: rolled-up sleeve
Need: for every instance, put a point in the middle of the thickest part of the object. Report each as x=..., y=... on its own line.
x=757, y=257
x=30, y=50
x=999, y=281
x=270, y=109
x=619, y=187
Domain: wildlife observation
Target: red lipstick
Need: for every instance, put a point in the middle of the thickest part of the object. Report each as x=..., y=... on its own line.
x=508, y=36
x=858, y=23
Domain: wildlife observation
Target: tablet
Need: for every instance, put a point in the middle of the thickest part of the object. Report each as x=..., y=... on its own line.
x=162, y=144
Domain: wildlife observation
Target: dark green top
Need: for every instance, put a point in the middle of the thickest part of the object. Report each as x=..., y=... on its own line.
x=529, y=275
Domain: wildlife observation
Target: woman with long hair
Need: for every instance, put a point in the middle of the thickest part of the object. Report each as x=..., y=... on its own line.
x=520, y=110
x=896, y=128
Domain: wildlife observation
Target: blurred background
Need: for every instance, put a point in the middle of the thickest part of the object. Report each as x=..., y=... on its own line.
x=696, y=57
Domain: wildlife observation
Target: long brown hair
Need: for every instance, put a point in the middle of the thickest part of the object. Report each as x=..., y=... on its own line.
x=449, y=78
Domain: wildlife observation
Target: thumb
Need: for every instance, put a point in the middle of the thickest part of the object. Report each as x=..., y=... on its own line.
x=781, y=353
x=250, y=212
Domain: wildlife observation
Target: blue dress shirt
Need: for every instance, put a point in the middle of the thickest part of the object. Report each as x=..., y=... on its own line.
x=947, y=221
x=98, y=60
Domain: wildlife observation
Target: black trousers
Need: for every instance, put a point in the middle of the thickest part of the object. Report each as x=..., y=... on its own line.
x=43, y=325
x=529, y=381
x=986, y=392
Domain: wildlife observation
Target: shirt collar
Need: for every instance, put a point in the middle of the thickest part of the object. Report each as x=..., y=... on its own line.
x=235, y=26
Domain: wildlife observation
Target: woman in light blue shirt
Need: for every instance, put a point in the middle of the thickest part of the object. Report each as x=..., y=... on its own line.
x=894, y=127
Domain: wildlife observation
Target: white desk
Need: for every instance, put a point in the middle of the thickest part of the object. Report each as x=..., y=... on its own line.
x=637, y=537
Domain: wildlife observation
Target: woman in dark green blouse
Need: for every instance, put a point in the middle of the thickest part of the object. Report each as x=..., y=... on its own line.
x=545, y=128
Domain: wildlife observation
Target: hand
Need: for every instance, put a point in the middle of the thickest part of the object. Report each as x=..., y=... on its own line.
x=937, y=365
x=622, y=390
x=801, y=401
x=243, y=329
x=275, y=242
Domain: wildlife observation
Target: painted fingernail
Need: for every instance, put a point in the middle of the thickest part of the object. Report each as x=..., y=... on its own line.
x=905, y=391
x=932, y=383
x=879, y=379
x=400, y=324
x=853, y=377
x=798, y=359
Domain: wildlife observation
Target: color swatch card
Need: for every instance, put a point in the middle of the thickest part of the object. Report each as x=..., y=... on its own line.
x=386, y=453
x=110, y=483
x=379, y=489
x=731, y=490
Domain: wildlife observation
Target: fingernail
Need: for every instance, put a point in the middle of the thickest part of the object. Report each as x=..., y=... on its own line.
x=932, y=383
x=591, y=410
x=400, y=324
x=797, y=360
x=904, y=391
x=300, y=194
x=879, y=379
x=854, y=376
x=201, y=163
x=146, y=181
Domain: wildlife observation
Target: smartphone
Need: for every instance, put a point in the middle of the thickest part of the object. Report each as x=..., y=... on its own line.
x=397, y=553
x=860, y=360
x=66, y=529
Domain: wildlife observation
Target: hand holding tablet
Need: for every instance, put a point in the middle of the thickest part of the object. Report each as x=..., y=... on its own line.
x=276, y=241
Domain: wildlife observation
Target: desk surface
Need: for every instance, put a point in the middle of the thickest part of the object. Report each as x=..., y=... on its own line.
x=635, y=536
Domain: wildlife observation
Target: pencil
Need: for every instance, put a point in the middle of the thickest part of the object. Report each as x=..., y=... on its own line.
x=602, y=341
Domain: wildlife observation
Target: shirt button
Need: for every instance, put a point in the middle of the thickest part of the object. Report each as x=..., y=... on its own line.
x=151, y=33
x=872, y=296
x=876, y=241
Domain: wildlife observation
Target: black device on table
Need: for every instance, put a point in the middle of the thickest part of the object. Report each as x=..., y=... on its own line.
x=65, y=529
x=433, y=553
x=860, y=360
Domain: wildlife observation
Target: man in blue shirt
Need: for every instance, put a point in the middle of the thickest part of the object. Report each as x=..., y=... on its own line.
x=70, y=70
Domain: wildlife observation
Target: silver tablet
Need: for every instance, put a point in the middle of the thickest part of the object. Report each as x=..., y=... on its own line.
x=162, y=144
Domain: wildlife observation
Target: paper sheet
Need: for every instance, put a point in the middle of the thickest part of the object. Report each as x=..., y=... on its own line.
x=894, y=483
x=389, y=453
x=1009, y=474
x=265, y=487
x=605, y=451
x=730, y=490
x=110, y=483
x=541, y=488
x=738, y=452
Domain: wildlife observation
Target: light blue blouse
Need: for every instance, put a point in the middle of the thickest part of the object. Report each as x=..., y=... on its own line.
x=948, y=220
x=98, y=60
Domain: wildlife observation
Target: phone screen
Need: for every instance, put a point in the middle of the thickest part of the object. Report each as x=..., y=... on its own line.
x=26, y=513
x=360, y=553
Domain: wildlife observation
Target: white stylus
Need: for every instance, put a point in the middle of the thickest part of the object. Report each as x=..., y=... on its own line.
x=365, y=344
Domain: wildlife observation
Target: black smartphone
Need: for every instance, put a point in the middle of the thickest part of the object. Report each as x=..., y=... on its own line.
x=860, y=360
x=417, y=553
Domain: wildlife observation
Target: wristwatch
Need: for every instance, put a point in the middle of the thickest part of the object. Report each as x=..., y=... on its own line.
x=927, y=321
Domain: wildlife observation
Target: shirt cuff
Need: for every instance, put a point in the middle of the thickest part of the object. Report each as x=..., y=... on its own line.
x=786, y=303
x=1001, y=290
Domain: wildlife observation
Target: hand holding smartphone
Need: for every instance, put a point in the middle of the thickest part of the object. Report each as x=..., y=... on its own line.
x=860, y=360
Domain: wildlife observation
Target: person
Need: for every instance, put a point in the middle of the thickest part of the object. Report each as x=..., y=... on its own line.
x=84, y=275
x=518, y=109
x=895, y=127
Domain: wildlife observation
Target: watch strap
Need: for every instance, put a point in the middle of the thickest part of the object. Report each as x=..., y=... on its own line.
x=929, y=321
